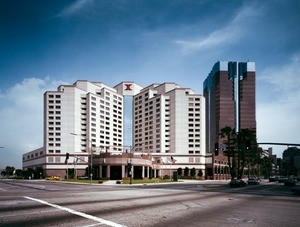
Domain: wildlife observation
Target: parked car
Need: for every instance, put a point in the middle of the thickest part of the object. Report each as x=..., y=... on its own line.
x=253, y=180
x=296, y=190
x=290, y=181
x=53, y=178
x=237, y=183
x=282, y=179
x=272, y=179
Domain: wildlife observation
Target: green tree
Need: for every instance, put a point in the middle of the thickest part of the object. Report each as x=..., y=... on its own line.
x=9, y=170
x=239, y=148
x=229, y=133
x=179, y=172
x=244, y=141
x=200, y=173
x=186, y=171
x=193, y=172
x=71, y=173
x=39, y=172
x=266, y=166
x=28, y=173
x=19, y=173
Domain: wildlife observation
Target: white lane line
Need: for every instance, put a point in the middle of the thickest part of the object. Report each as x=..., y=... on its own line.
x=100, y=220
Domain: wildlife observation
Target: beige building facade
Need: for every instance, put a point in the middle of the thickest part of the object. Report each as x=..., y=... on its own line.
x=87, y=121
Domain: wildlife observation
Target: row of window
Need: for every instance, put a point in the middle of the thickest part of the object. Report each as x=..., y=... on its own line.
x=54, y=96
x=53, y=128
x=51, y=101
x=191, y=99
x=54, y=151
x=54, y=112
x=54, y=107
x=31, y=156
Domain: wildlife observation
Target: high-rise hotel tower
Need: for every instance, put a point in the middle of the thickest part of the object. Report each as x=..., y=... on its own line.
x=169, y=121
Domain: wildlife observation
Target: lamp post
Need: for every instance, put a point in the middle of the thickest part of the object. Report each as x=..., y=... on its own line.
x=129, y=166
x=130, y=163
x=91, y=163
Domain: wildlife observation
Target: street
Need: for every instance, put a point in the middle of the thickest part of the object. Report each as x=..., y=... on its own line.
x=201, y=203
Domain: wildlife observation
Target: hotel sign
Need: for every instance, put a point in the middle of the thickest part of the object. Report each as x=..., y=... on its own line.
x=128, y=87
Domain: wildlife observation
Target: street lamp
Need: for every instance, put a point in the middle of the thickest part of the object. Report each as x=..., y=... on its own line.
x=91, y=163
x=130, y=166
x=130, y=170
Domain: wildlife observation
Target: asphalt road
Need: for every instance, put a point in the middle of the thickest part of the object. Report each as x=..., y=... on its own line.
x=207, y=203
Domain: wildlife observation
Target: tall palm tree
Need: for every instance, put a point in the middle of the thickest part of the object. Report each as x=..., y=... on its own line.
x=244, y=138
x=229, y=133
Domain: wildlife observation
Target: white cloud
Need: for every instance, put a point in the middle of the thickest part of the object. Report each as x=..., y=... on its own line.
x=76, y=7
x=231, y=33
x=21, y=118
x=285, y=78
x=278, y=119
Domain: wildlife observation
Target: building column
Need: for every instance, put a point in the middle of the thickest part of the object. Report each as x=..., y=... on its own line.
x=123, y=171
x=148, y=169
x=100, y=171
x=132, y=171
x=143, y=172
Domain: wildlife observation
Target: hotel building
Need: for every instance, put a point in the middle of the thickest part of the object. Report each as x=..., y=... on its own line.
x=169, y=123
x=87, y=124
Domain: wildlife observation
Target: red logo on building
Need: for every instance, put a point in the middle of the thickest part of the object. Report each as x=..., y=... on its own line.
x=128, y=87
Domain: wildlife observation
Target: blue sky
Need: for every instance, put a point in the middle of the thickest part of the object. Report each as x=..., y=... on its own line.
x=47, y=43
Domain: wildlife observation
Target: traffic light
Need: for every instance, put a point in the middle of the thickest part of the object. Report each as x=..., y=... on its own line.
x=67, y=156
x=216, y=149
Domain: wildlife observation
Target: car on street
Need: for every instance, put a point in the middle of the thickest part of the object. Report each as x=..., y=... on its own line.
x=282, y=179
x=296, y=190
x=290, y=181
x=253, y=180
x=237, y=183
x=52, y=178
x=273, y=179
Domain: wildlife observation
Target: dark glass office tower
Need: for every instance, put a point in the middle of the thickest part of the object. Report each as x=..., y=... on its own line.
x=229, y=91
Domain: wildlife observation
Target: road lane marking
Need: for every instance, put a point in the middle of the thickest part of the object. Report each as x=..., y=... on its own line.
x=100, y=220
